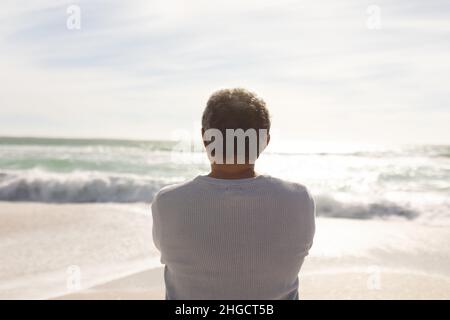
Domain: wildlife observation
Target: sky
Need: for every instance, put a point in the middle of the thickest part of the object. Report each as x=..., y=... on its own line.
x=345, y=71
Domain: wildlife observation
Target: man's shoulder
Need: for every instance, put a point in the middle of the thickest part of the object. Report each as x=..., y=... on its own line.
x=293, y=194
x=286, y=185
x=175, y=189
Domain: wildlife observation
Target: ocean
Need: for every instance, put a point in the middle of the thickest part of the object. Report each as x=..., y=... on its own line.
x=349, y=181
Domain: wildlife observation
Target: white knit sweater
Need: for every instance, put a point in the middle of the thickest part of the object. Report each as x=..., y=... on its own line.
x=233, y=239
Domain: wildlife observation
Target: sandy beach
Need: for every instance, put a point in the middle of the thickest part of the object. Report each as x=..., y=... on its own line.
x=327, y=285
x=110, y=248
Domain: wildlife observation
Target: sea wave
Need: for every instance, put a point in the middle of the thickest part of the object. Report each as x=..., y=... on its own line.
x=77, y=187
x=82, y=187
x=330, y=207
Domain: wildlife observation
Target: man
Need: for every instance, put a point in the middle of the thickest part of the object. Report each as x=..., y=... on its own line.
x=233, y=234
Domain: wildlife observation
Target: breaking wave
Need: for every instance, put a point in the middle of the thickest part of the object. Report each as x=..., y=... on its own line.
x=329, y=207
x=76, y=188
x=82, y=187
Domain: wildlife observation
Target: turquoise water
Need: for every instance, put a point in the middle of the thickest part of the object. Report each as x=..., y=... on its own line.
x=411, y=182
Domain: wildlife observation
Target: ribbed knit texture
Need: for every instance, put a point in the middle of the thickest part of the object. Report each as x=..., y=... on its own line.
x=233, y=239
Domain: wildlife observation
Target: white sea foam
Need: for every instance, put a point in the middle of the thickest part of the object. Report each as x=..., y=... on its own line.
x=76, y=187
x=94, y=187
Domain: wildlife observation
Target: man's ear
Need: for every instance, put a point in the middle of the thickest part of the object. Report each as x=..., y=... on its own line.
x=203, y=134
x=265, y=146
x=267, y=141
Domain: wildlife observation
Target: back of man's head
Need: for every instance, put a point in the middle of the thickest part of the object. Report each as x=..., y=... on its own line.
x=242, y=118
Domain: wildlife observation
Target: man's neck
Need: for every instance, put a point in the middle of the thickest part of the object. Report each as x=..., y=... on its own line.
x=232, y=171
